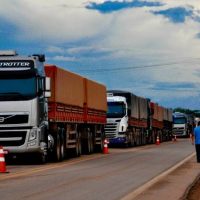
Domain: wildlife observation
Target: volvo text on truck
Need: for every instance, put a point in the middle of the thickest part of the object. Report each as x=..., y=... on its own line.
x=48, y=111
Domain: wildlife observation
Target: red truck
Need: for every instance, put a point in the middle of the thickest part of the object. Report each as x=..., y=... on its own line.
x=77, y=112
x=160, y=122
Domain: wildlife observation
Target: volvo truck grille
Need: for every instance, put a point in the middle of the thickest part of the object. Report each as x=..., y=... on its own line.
x=13, y=119
x=110, y=130
x=178, y=131
x=12, y=138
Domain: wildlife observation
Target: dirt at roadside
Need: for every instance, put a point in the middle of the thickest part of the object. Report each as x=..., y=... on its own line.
x=194, y=192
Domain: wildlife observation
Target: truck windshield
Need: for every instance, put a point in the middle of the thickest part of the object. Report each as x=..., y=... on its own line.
x=116, y=109
x=179, y=120
x=13, y=89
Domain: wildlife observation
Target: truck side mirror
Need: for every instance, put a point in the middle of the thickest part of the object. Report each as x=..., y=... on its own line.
x=47, y=92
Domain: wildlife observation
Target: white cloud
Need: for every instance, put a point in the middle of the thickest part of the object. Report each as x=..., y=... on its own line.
x=53, y=20
x=55, y=49
x=135, y=36
x=62, y=58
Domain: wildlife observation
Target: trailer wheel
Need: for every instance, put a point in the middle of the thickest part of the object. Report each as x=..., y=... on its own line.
x=90, y=144
x=99, y=147
x=76, y=150
x=62, y=145
x=131, y=140
x=79, y=145
x=138, y=138
x=102, y=143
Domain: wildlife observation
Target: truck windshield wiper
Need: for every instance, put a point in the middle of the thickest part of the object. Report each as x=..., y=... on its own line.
x=12, y=95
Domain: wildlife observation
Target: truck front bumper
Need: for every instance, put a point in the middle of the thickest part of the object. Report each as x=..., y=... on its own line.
x=117, y=141
x=17, y=141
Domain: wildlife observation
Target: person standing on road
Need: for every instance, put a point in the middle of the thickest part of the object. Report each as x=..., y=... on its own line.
x=196, y=138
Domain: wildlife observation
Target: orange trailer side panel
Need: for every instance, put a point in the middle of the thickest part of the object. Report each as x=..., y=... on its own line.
x=96, y=96
x=66, y=87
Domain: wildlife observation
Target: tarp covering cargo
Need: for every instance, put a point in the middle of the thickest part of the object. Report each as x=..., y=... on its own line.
x=170, y=118
x=134, y=106
x=155, y=109
x=74, y=98
x=96, y=95
x=143, y=108
x=160, y=113
x=165, y=114
x=66, y=87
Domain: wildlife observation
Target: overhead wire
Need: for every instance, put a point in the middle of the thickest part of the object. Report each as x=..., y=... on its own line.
x=136, y=67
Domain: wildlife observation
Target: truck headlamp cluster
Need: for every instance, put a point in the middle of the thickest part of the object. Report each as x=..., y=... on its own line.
x=33, y=134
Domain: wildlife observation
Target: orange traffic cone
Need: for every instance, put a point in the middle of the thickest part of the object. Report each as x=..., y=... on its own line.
x=157, y=140
x=2, y=161
x=105, y=146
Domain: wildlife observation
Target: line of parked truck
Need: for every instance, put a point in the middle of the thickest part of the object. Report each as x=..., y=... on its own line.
x=51, y=112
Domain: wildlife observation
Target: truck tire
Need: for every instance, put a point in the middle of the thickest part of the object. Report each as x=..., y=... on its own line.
x=77, y=151
x=79, y=145
x=131, y=139
x=77, y=148
x=89, y=143
x=57, y=148
x=102, y=143
x=42, y=158
x=137, y=142
x=62, y=145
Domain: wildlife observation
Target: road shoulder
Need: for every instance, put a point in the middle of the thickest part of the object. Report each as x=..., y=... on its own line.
x=173, y=185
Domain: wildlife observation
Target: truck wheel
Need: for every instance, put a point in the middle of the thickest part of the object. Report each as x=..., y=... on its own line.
x=132, y=140
x=77, y=151
x=99, y=141
x=42, y=158
x=79, y=145
x=101, y=144
x=62, y=146
x=89, y=145
x=57, y=150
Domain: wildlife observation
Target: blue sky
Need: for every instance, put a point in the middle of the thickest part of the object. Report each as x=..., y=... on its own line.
x=149, y=47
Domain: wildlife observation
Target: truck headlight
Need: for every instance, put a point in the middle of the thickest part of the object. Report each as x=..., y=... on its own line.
x=33, y=134
x=123, y=129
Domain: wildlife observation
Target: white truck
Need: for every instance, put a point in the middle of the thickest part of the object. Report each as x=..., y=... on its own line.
x=180, y=124
x=117, y=119
x=23, y=104
x=127, y=118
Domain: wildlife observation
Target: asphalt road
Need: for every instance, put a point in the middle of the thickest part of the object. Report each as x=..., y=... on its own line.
x=93, y=177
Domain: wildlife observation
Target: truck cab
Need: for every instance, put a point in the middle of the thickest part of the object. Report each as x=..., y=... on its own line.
x=180, y=124
x=117, y=119
x=23, y=103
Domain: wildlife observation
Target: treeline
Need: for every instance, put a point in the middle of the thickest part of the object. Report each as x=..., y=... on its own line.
x=195, y=113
